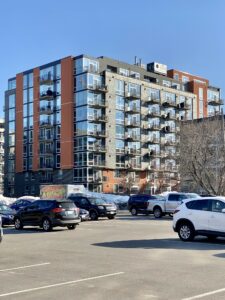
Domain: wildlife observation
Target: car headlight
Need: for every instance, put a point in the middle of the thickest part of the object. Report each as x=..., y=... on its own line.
x=101, y=207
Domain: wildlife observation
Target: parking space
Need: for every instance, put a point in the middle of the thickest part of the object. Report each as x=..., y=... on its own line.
x=126, y=258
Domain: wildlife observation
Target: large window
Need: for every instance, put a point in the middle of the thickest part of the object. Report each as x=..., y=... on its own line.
x=12, y=100
x=119, y=87
x=86, y=65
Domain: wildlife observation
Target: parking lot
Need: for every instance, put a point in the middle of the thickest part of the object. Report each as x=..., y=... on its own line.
x=126, y=258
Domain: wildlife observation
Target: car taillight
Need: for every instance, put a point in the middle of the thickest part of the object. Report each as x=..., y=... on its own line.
x=58, y=210
x=77, y=210
x=176, y=211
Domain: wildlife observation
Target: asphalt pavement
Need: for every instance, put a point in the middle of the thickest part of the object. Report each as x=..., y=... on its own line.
x=126, y=258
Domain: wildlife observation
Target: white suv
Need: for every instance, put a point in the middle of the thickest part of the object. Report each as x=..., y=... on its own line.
x=202, y=216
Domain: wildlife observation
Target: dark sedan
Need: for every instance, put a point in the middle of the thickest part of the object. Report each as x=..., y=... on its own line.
x=7, y=214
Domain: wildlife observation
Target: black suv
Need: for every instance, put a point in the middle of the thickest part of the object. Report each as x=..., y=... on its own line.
x=96, y=207
x=48, y=214
x=139, y=203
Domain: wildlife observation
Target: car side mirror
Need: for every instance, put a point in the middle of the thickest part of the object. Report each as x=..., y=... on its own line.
x=223, y=210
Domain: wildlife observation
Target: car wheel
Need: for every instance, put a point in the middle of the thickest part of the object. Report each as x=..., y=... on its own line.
x=157, y=212
x=93, y=215
x=71, y=227
x=134, y=211
x=18, y=224
x=111, y=217
x=186, y=232
x=46, y=225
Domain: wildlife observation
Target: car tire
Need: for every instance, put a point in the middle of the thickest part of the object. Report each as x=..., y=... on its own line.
x=111, y=217
x=18, y=224
x=93, y=215
x=157, y=212
x=134, y=211
x=186, y=232
x=71, y=226
x=46, y=224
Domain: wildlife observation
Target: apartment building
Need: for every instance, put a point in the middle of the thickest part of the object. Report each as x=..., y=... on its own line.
x=98, y=122
x=208, y=102
x=2, y=129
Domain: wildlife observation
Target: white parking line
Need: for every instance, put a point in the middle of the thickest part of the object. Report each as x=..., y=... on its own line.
x=205, y=294
x=25, y=267
x=59, y=284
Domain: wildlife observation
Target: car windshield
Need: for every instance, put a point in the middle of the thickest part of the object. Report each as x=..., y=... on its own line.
x=97, y=201
x=66, y=205
x=4, y=207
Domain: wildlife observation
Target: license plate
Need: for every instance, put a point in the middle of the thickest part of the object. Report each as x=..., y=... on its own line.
x=111, y=212
x=70, y=212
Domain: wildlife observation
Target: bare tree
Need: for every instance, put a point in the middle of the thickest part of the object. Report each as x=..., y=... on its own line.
x=129, y=181
x=202, y=154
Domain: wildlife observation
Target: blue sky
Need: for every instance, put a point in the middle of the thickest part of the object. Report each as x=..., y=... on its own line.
x=187, y=35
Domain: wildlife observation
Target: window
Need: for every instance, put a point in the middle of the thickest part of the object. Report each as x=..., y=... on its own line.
x=176, y=76
x=119, y=87
x=176, y=197
x=185, y=79
x=198, y=205
x=12, y=100
x=123, y=72
x=11, y=84
x=12, y=114
x=217, y=206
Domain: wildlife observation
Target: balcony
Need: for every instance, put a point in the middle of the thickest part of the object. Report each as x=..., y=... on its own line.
x=132, y=95
x=132, y=151
x=132, y=123
x=151, y=100
x=169, y=103
x=133, y=166
x=97, y=133
x=97, y=148
x=169, y=116
x=169, y=168
x=183, y=106
x=46, y=79
x=169, y=143
x=46, y=123
x=151, y=140
x=168, y=129
x=169, y=155
x=98, y=88
x=46, y=138
x=97, y=103
x=153, y=113
x=153, y=168
x=132, y=109
x=97, y=163
x=97, y=119
x=46, y=166
x=47, y=152
x=49, y=94
x=132, y=137
x=47, y=109
x=215, y=101
x=95, y=179
x=151, y=127
x=152, y=154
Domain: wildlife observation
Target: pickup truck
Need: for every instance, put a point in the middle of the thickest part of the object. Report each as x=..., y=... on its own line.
x=168, y=203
